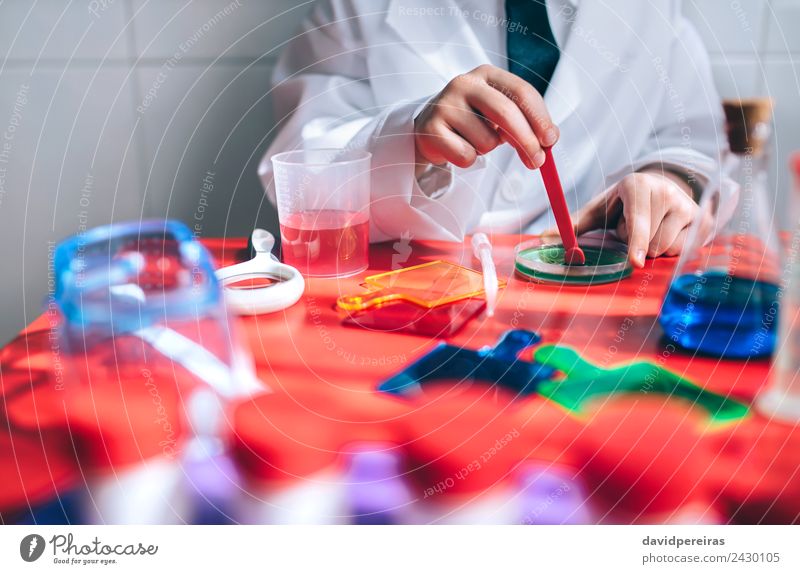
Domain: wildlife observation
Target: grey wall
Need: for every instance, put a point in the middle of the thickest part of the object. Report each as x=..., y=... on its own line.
x=82, y=143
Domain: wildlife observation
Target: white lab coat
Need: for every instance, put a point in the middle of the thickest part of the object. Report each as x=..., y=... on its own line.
x=633, y=86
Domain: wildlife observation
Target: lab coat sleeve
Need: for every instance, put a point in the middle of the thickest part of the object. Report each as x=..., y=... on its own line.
x=323, y=98
x=688, y=132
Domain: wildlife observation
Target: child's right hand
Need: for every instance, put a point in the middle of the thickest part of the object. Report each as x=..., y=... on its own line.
x=478, y=111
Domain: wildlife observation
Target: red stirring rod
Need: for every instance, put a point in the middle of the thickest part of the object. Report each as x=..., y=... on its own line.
x=573, y=255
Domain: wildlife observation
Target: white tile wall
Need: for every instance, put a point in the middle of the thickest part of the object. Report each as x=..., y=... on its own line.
x=207, y=118
x=783, y=85
x=728, y=26
x=62, y=30
x=249, y=29
x=89, y=64
x=72, y=161
x=781, y=36
x=754, y=51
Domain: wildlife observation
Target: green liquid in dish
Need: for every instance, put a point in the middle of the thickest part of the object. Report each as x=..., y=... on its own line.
x=603, y=265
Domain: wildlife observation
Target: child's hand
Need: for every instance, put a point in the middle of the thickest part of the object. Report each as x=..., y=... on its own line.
x=650, y=210
x=479, y=110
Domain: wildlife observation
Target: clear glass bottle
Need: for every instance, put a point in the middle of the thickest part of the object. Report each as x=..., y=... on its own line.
x=782, y=398
x=140, y=309
x=724, y=297
x=141, y=299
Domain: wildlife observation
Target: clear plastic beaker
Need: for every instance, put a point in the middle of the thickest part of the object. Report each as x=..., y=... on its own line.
x=323, y=210
x=723, y=299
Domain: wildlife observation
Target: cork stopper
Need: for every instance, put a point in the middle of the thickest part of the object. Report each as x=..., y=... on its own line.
x=748, y=124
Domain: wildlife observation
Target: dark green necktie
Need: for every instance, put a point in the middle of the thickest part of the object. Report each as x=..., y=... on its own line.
x=532, y=49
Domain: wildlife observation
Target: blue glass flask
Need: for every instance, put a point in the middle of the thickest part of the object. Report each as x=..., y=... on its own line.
x=724, y=297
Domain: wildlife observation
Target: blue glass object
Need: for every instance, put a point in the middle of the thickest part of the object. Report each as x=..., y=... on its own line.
x=724, y=298
x=493, y=365
x=721, y=315
x=152, y=282
x=133, y=275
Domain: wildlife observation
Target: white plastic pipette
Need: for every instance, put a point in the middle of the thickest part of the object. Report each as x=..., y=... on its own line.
x=482, y=249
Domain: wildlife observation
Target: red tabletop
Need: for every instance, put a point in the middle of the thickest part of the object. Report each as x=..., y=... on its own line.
x=324, y=377
x=607, y=324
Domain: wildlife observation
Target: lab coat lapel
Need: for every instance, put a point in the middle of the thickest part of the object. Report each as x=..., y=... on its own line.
x=564, y=94
x=594, y=49
x=443, y=39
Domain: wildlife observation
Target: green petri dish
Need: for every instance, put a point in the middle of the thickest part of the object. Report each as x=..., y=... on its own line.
x=606, y=262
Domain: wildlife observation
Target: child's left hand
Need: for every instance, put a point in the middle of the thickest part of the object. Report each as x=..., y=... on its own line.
x=650, y=210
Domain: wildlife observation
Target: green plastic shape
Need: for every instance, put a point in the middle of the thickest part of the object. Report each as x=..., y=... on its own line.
x=584, y=382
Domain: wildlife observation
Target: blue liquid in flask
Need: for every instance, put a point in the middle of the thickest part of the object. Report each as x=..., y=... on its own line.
x=722, y=315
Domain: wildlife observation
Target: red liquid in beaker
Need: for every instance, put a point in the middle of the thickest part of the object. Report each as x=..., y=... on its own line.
x=326, y=243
